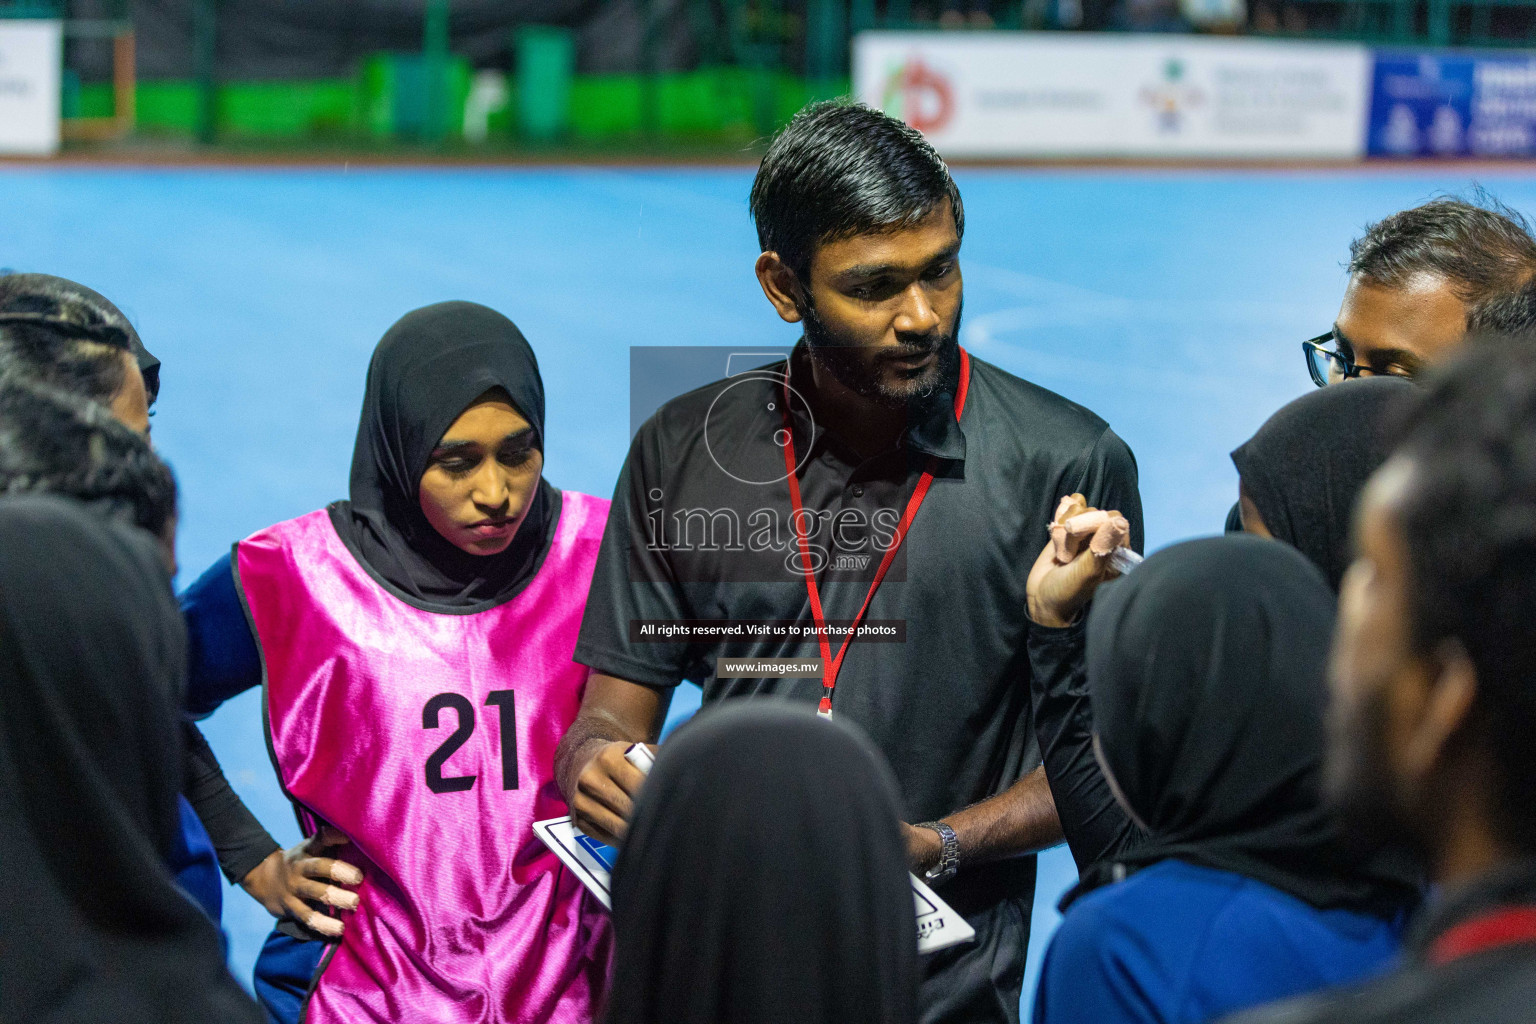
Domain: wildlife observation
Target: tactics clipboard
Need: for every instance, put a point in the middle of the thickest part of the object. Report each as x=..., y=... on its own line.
x=938, y=925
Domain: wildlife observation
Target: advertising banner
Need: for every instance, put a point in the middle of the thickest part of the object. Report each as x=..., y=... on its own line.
x=1029, y=94
x=31, y=54
x=1445, y=103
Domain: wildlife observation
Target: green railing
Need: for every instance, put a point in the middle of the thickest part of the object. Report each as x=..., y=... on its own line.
x=31, y=9
x=1465, y=23
x=110, y=23
x=758, y=60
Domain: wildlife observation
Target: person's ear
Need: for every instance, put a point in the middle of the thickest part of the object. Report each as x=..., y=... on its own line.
x=1248, y=512
x=1445, y=710
x=780, y=285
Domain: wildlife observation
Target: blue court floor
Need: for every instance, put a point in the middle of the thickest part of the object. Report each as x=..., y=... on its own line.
x=1172, y=303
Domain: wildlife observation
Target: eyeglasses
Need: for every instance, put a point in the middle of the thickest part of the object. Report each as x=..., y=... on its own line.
x=1327, y=366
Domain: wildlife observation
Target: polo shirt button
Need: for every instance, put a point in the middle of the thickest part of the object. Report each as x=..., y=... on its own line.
x=856, y=491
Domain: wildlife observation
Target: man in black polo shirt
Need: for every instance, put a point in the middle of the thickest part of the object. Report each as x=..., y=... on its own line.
x=730, y=493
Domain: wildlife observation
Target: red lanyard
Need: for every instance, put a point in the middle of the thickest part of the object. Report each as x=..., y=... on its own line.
x=1507, y=927
x=831, y=665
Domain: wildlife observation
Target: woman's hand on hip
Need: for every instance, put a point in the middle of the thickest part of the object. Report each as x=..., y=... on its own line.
x=296, y=882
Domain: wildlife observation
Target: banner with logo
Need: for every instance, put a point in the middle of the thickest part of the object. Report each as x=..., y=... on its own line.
x=1057, y=94
x=1445, y=103
x=31, y=55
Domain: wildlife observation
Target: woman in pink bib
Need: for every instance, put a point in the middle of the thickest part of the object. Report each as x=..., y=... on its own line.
x=415, y=646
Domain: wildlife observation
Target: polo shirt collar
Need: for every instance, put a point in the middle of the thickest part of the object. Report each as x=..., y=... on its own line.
x=1513, y=884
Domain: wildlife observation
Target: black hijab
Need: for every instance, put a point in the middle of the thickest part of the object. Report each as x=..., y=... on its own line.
x=1307, y=465
x=425, y=372
x=764, y=879
x=1206, y=674
x=74, y=306
x=92, y=659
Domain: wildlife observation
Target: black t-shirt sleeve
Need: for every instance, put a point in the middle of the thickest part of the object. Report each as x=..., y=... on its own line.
x=239, y=839
x=1110, y=481
x=634, y=580
x=1092, y=821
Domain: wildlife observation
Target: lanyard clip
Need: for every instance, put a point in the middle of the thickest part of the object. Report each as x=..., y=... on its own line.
x=824, y=710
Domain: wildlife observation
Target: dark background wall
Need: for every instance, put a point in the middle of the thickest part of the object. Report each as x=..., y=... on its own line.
x=276, y=39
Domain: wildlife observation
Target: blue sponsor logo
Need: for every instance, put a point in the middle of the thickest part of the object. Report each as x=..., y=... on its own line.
x=1450, y=104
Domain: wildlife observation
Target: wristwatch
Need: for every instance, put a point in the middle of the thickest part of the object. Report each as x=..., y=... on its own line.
x=949, y=853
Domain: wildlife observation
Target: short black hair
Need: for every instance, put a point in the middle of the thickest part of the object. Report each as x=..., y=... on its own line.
x=841, y=169
x=59, y=341
x=1468, y=522
x=58, y=443
x=1482, y=247
x=1511, y=315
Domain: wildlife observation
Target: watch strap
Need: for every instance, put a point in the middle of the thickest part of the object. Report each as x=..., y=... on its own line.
x=949, y=852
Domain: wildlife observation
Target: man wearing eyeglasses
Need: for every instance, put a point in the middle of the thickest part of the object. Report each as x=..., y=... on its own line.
x=1418, y=281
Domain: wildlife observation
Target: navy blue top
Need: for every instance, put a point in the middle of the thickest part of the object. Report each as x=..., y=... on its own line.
x=1181, y=944
x=193, y=863
x=222, y=661
x=222, y=658
x=220, y=653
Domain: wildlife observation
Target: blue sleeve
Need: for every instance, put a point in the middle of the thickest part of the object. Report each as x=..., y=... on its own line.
x=1097, y=972
x=284, y=972
x=222, y=660
x=193, y=864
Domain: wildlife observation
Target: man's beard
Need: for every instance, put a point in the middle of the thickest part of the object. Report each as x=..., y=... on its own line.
x=1358, y=782
x=848, y=361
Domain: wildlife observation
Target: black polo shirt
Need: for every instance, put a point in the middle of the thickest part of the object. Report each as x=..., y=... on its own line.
x=700, y=530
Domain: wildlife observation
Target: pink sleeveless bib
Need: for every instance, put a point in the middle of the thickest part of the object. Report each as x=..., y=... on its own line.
x=429, y=739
